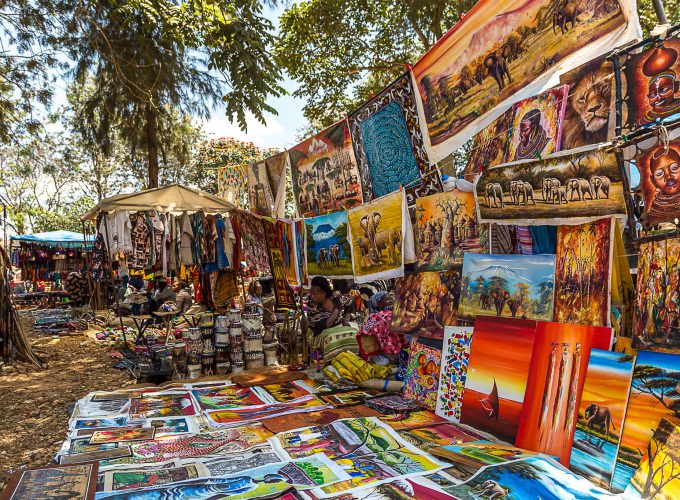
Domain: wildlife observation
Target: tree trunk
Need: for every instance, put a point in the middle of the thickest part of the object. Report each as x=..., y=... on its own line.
x=152, y=145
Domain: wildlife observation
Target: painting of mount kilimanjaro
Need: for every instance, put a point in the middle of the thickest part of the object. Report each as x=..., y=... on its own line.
x=328, y=250
x=509, y=286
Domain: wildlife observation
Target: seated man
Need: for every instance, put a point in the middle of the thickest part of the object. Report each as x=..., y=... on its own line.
x=184, y=298
x=161, y=294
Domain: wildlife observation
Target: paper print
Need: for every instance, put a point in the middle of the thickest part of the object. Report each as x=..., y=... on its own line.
x=232, y=185
x=453, y=371
x=412, y=420
x=82, y=445
x=392, y=403
x=425, y=303
x=231, y=396
x=72, y=481
x=347, y=398
x=536, y=128
x=600, y=416
x=426, y=438
x=325, y=173
x=517, y=286
x=657, y=301
x=327, y=246
x=497, y=376
x=252, y=241
x=446, y=228
x=422, y=375
x=316, y=418
x=583, y=273
x=285, y=392
x=162, y=405
x=281, y=259
x=88, y=423
x=126, y=479
x=247, y=460
x=240, y=416
x=105, y=454
x=261, y=199
x=122, y=434
x=388, y=145
x=172, y=426
x=579, y=186
x=490, y=146
x=376, y=237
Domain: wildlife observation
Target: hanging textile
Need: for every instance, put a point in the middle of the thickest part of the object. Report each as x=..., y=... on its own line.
x=277, y=171
x=300, y=251
x=251, y=242
x=261, y=199
x=232, y=185
x=277, y=255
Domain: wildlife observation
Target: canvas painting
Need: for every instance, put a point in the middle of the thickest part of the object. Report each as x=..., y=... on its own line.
x=583, y=273
x=288, y=251
x=261, y=199
x=422, y=375
x=82, y=445
x=251, y=242
x=425, y=303
x=325, y=174
x=580, y=186
x=392, y=403
x=232, y=396
x=490, y=146
x=377, y=238
x=280, y=259
x=650, y=85
x=77, y=482
x=103, y=454
x=89, y=423
x=388, y=144
x=650, y=400
x=600, y=416
x=589, y=105
x=249, y=459
x=239, y=416
x=509, y=286
x=658, y=165
x=656, y=313
x=285, y=392
x=536, y=129
x=122, y=434
x=412, y=420
x=426, y=438
x=162, y=405
x=658, y=475
x=497, y=51
x=300, y=251
x=232, y=185
x=497, y=376
x=347, y=398
x=446, y=228
x=277, y=171
x=328, y=251
x=172, y=426
x=317, y=418
x=127, y=479
x=453, y=371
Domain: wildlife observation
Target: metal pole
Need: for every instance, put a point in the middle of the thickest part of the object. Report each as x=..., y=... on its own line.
x=660, y=12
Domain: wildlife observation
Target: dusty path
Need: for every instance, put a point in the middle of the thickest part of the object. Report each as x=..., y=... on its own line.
x=34, y=403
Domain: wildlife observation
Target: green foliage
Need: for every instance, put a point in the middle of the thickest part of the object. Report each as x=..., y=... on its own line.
x=648, y=17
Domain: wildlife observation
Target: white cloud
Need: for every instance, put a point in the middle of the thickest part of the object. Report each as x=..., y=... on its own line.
x=269, y=135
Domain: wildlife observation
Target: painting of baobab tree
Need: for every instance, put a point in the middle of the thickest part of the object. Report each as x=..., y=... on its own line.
x=446, y=228
x=583, y=273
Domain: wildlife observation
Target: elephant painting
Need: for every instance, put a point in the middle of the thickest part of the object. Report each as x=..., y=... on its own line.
x=388, y=239
x=558, y=194
x=600, y=416
x=600, y=184
x=494, y=191
x=548, y=189
x=366, y=251
x=334, y=255
x=525, y=191
x=580, y=187
x=497, y=67
x=514, y=192
x=322, y=258
x=567, y=14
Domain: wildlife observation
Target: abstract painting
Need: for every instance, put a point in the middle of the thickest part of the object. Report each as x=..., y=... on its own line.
x=497, y=376
x=652, y=397
x=327, y=246
x=377, y=232
x=281, y=259
x=261, y=199
x=162, y=405
x=77, y=482
x=498, y=50
x=446, y=228
x=581, y=186
x=231, y=396
x=589, y=105
x=388, y=144
x=536, y=128
x=250, y=242
x=600, y=416
x=490, y=146
x=232, y=185
x=412, y=420
x=583, y=273
x=325, y=174
x=509, y=286
x=422, y=375
x=425, y=303
x=455, y=355
x=656, y=313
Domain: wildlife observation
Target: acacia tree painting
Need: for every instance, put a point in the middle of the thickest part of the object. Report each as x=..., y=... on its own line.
x=659, y=383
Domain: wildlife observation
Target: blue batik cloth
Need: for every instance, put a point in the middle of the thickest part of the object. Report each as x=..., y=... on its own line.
x=389, y=155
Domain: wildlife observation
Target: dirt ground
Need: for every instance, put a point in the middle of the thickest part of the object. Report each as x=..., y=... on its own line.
x=35, y=402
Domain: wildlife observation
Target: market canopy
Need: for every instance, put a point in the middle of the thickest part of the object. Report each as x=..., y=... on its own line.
x=172, y=198
x=54, y=238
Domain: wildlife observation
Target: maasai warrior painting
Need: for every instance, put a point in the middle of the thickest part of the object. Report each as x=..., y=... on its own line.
x=581, y=186
x=498, y=49
x=517, y=286
x=328, y=250
x=325, y=173
x=537, y=125
x=490, y=146
x=656, y=319
x=589, y=105
x=446, y=228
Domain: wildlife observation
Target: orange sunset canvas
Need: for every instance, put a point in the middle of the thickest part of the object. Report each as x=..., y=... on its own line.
x=498, y=370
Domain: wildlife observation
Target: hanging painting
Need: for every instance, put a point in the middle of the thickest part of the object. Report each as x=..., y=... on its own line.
x=277, y=172
x=497, y=375
x=536, y=128
x=300, y=251
x=652, y=397
x=280, y=259
x=287, y=238
x=251, y=242
x=657, y=306
x=446, y=228
x=261, y=199
x=600, y=416
x=425, y=303
x=583, y=273
x=455, y=355
x=650, y=81
x=581, y=187
x=325, y=173
x=376, y=238
x=490, y=146
x=422, y=375
x=589, y=105
x=232, y=185
x=327, y=247
x=517, y=286
x=502, y=51
x=388, y=144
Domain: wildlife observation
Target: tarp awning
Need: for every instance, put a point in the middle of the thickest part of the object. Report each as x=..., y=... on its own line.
x=54, y=237
x=173, y=198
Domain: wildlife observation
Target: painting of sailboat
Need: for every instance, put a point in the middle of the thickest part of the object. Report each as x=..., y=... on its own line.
x=491, y=403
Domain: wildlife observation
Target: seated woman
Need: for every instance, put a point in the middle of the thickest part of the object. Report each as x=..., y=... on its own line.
x=325, y=308
x=254, y=297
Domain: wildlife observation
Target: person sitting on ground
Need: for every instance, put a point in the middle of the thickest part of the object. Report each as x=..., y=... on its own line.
x=254, y=297
x=325, y=308
x=184, y=298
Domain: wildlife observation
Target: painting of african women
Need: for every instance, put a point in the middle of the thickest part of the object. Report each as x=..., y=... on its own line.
x=328, y=252
x=580, y=185
x=446, y=228
x=425, y=303
x=517, y=286
x=325, y=173
x=498, y=48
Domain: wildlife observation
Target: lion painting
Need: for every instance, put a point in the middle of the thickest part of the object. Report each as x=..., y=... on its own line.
x=586, y=120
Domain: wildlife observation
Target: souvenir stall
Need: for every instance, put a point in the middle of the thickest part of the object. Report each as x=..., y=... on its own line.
x=506, y=352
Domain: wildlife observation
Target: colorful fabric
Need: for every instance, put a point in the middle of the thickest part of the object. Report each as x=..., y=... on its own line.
x=490, y=146
x=278, y=252
x=525, y=242
x=252, y=242
x=455, y=354
x=378, y=325
x=422, y=375
x=232, y=185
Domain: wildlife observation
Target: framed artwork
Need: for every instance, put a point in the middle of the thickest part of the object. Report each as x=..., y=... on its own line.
x=77, y=481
